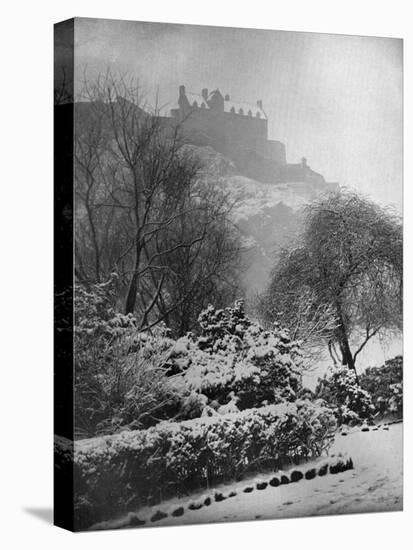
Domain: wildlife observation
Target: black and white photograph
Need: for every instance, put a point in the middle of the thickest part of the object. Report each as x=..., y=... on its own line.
x=205, y=236
x=231, y=207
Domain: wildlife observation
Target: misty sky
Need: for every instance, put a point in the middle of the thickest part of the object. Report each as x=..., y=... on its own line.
x=336, y=100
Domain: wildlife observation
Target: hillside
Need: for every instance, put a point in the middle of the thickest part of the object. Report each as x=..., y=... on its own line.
x=268, y=215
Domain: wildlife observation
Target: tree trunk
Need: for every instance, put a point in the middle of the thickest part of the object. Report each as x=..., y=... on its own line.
x=133, y=285
x=131, y=296
x=347, y=356
x=348, y=359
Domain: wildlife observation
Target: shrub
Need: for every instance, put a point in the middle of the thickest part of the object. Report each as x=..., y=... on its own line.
x=310, y=473
x=385, y=385
x=296, y=475
x=135, y=521
x=120, y=376
x=351, y=403
x=158, y=515
x=274, y=481
x=234, y=361
x=113, y=473
x=177, y=512
x=116, y=388
x=128, y=379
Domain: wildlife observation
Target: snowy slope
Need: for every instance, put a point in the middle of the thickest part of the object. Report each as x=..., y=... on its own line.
x=375, y=485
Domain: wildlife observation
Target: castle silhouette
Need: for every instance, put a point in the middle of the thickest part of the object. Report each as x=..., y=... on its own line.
x=240, y=132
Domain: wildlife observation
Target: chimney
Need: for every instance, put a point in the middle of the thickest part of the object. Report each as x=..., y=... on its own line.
x=205, y=93
x=181, y=91
x=303, y=162
x=259, y=103
x=226, y=97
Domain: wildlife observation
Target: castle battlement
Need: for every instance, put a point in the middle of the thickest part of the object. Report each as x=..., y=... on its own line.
x=215, y=101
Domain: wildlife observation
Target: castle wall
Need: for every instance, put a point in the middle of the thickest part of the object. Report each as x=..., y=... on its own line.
x=300, y=173
x=229, y=133
x=274, y=150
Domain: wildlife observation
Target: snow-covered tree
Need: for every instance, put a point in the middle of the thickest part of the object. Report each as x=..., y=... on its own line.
x=348, y=263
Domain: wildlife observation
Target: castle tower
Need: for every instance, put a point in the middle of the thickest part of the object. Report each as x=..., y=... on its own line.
x=216, y=101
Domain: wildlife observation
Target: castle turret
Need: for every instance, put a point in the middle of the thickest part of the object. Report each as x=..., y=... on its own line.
x=183, y=100
x=216, y=101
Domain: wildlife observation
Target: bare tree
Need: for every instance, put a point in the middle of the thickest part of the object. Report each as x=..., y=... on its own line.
x=141, y=210
x=204, y=274
x=62, y=92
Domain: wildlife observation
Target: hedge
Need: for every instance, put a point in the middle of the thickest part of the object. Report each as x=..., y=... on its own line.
x=113, y=474
x=333, y=465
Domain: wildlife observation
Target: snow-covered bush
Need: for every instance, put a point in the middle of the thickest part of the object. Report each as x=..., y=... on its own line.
x=385, y=385
x=126, y=378
x=235, y=362
x=95, y=312
x=120, y=375
x=132, y=468
x=351, y=403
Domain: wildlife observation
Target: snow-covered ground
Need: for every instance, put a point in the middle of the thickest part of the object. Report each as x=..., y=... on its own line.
x=374, y=485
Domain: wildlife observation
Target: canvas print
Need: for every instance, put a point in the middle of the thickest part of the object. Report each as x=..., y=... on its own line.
x=228, y=274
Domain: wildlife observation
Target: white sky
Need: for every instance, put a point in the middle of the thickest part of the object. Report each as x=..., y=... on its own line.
x=334, y=99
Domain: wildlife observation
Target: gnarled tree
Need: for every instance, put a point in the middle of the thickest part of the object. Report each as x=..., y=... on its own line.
x=348, y=270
